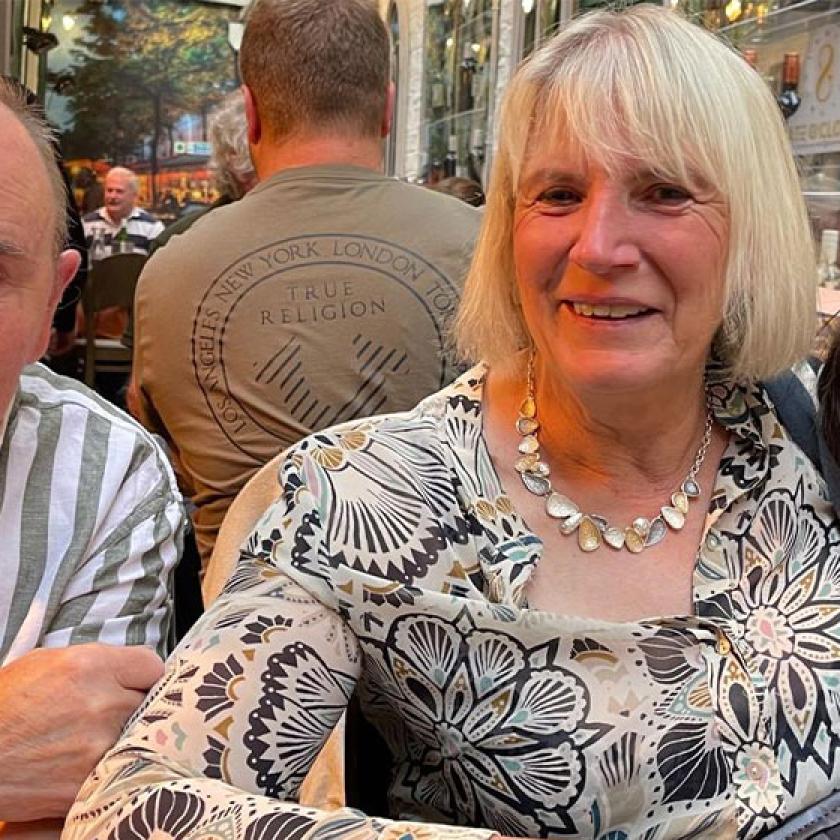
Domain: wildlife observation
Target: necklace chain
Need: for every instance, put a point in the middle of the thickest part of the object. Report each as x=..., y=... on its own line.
x=594, y=530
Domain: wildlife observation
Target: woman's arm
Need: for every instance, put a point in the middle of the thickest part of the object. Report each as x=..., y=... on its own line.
x=225, y=739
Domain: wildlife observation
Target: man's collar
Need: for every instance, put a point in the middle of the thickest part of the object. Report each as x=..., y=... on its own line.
x=106, y=216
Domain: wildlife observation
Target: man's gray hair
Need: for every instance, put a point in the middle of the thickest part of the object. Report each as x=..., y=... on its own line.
x=13, y=97
x=132, y=182
x=230, y=160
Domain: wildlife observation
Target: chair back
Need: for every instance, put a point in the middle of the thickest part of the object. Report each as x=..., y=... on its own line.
x=110, y=282
x=323, y=786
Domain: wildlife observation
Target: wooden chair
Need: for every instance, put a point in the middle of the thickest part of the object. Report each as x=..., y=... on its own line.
x=324, y=785
x=110, y=283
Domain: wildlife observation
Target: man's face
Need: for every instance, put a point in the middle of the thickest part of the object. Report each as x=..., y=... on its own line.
x=31, y=278
x=119, y=195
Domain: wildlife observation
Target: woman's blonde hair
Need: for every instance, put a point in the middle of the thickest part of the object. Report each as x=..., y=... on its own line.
x=645, y=82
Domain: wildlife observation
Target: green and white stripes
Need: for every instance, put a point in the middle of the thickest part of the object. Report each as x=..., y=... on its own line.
x=91, y=523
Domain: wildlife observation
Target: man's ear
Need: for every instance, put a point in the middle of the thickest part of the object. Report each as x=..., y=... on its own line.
x=67, y=265
x=252, y=116
x=388, y=114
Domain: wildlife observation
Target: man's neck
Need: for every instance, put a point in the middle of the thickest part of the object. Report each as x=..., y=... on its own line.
x=316, y=150
x=116, y=220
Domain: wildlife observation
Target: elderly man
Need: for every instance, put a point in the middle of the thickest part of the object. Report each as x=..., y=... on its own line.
x=321, y=296
x=120, y=212
x=90, y=518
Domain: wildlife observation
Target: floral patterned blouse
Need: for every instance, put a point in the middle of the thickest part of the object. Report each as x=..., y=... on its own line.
x=394, y=564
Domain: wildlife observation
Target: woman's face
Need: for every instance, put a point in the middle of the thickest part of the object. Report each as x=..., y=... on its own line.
x=621, y=277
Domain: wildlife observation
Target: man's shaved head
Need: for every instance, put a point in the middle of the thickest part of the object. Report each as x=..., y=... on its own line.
x=33, y=269
x=13, y=99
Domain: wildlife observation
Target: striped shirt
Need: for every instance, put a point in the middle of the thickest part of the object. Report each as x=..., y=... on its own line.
x=91, y=523
x=141, y=227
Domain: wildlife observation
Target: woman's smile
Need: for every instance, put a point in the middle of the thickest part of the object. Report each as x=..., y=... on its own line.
x=607, y=313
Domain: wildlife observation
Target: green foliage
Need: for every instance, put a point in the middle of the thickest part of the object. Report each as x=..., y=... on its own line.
x=141, y=64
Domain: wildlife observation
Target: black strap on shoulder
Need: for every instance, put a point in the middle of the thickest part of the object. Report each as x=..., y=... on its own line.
x=797, y=413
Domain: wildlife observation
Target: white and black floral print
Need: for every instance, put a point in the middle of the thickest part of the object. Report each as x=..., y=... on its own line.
x=395, y=566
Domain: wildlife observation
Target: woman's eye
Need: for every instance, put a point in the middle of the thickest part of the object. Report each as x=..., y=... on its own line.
x=559, y=196
x=669, y=194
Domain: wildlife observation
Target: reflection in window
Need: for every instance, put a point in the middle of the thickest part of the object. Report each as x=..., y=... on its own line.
x=459, y=52
x=133, y=82
x=717, y=14
x=549, y=17
x=394, y=26
x=540, y=18
x=529, y=31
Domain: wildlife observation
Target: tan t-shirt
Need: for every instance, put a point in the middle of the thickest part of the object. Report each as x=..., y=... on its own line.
x=322, y=296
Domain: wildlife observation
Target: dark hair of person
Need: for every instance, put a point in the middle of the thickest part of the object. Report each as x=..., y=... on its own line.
x=465, y=189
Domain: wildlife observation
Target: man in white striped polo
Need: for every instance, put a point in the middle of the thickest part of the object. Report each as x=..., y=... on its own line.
x=119, y=211
x=90, y=517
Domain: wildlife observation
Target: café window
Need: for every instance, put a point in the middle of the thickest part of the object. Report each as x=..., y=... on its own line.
x=459, y=52
x=133, y=83
x=540, y=19
x=795, y=46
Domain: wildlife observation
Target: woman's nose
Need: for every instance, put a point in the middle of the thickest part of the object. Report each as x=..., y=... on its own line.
x=606, y=239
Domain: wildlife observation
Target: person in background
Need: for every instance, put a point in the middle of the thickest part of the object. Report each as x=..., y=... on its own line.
x=62, y=341
x=120, y=211
x=93, y=196
x=828, y=420
x=118, y=217
x=322, y=295
x=464, y=189
x=591, y=589
x=90, y=517
x=230, y=162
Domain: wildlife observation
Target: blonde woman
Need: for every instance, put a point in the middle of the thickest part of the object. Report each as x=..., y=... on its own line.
x=591, y=589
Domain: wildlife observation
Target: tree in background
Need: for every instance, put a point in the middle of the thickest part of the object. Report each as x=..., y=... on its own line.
x=140, y=66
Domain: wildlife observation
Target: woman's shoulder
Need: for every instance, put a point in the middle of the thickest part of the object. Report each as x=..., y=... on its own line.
x=383, y=497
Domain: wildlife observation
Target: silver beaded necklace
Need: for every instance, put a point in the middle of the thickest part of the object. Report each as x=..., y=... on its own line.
x=592, y=529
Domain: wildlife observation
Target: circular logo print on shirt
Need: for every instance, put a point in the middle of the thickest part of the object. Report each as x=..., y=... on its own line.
x=316, y=330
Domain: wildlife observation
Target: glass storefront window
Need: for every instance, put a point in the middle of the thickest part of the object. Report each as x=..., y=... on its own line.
x=459, y=52
x=747, y=18
x=795, y=47
x=549, y=17
x=391, y=148
x=529, y=26
x=539, y=19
